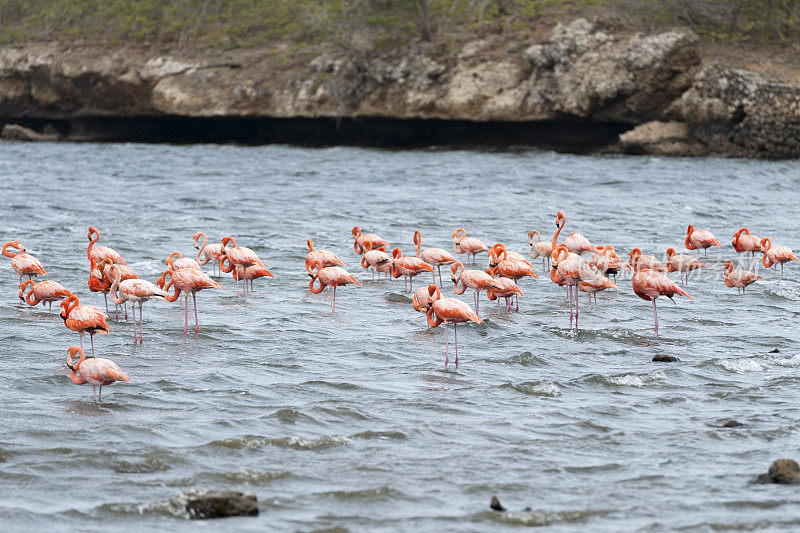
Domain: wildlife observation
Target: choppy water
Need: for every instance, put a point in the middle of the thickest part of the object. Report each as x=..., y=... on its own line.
x=349, y=420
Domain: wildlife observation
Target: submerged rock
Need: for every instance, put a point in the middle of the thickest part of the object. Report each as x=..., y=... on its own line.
x=783, y=471
x=732, y=424
x=774, y=350
x=664, y=358
x=218, y=504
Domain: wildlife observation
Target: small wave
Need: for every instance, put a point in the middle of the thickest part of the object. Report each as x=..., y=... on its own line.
x=525, y=359
x=394, y=435
x=255, y=477
x=538, y=518
x=146, y=467
x=533, y=388
x=741, y=366
x=380, y=493
x=788, y=361
x=251, y=442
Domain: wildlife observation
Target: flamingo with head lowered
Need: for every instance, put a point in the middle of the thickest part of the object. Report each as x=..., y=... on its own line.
x=362, y=239
x=47, y=291
x=238, y=256
x=83, y=318
x=511, y=265
x=328, y=277
x=476, y=280
x=378, y=260
x=448, y=310
x=22, y=262
x=98, y=372
x=467, y=245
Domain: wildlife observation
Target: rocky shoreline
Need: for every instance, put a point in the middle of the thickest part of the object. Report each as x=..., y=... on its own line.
x=670, y=101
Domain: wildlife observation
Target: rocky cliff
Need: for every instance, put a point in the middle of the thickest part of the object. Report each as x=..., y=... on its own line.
x=656, y=84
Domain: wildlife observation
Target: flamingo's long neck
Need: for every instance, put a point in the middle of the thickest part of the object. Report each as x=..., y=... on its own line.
x=91, y=244
x=112, y=292
x=200, y=251
x=558, y=231
x=30, y=297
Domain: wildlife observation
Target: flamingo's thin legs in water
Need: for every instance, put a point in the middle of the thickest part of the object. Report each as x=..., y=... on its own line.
x=196, y=321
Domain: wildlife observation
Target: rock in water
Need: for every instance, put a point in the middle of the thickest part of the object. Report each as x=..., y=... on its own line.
x=15, y=132
x=220, y=503
x=784, y=471
x=774, y=350
x=496, y=505
x=664, y=358
x=732, y=424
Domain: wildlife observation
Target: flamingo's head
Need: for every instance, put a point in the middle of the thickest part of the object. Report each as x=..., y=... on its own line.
x=560, y=217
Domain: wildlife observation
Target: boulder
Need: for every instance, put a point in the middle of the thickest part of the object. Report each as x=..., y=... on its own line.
x=664, y=358
x=15, y=132
x=495, y=504
x=732, y=424
x=219, y=504
x=661, y=138
x=784, y=471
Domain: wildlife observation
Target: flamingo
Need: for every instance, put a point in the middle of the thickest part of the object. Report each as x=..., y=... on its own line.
x=325, y=257
x=540, y=248
x=22, y=262
x=739, y=278
x=83, y=318
x=378, y=260
x=682, y=263
x=97, y=283
x=185, y=281
x=775, y=254
x=254, y=272
x=744, y=242
x=101, y=252
x=125, y=273
x=181, y=262
x=328, y=276
x=608, y=262
x=467, y=245
x=362, y=238
x=506, y=265
x=238, y=256
x=448, y=310
x=650, y=284
x=644, y=261
x=700, y=238
x=420, y=300
x=213, y=252
x=509, y=290
x=408, y=267
x=472, y=279
x=436, y=257
x=575, y=242
x=133, y=290
x=593, y=282
x=45, y=292
x=96, y=371
x=568, y=266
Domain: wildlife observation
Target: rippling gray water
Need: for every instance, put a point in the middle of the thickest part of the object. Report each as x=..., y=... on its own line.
x=349, y=420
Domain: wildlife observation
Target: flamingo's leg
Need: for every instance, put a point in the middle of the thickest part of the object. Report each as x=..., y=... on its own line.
x=196, y=322
x=186, y=320
x=91, y=340
x=134, y=324
x=106, y=296
x=333, y=304
x=455, y=341
x=576, y=307
x=446, y=356
x=655, y=315
x=94, y=392
x=141, y=334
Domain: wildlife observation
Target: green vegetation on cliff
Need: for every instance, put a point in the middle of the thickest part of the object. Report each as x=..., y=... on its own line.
x=247, y=23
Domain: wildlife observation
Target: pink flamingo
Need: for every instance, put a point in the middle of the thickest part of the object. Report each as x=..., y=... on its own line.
x=325, y=257
x=506, y=265
x=95, y=371
x=101, y=252
x=181, y=262
x=22, y=262
x=45, y=292
x=509, y=290
x=540, y=248
x=467, y=245
x=97, y=283
x=378, y=260
x=125, y=272
x=472, y=279
x=775, y=254
x=744, y=242
x=328, y=276
x=700, y=238
x=739, y=278
x=408, y=267
x=593, y=282
x=254, y=272
x=682, y=263
x=436, y=257
x=638, y=260
x=83, y=318
x=362, y=238
x=213, y=252
x=186, y=281
x=133, y=290
x=608, y=262
x=448, y=310
x=238, y=256
x=568, y=266
x=650, y=284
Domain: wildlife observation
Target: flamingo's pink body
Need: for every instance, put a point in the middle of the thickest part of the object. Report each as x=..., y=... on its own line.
x=700, y=238
x=608, y=262
x=682, y=263
x=361, y=239
x=83, y=318
x=569, y=268
x=744, y=242
x=99, y=253
x=189, y=281
x=436, y=257
x=238, y=256
x=739, y=278
x=467, y=245
x=96, y=371
x=378, y=260
x=325, y=257
x=47, y=291
x=212, y=252
x=448, y=310
x=776, y=254
x=539, y=248
x=472, y=279
x=592, y=282
x=176, y=261
x=328, y=277
x=408, y=266
x=642, y=261
x=650, y=284
x=134, y=290
x=508, y=290
x=578, y=244
x=22, y=262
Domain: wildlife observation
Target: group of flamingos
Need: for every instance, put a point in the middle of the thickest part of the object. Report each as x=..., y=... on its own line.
x=110, y=275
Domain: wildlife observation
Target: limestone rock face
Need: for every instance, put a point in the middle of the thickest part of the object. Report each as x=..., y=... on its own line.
x=661, y=138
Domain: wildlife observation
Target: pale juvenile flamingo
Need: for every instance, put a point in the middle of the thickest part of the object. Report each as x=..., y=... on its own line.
x=186, y=281
x=253, y=272
x=506, y=264
x=608, y=262
x=133, y=290
x=775, y=254
x=700, y=238
x=23, y=263
x=449, y=310
x=43, y=292
x=327, y=258
x=467, y=245
x=739, y=278
x=540, y=248
x=642, y=261
x=101, y=252
x=408, y=267
x=509, y=290
x=436, y=257
x=96, y=371
x=472, y=279
x=363, y=238
x=83, y=318
x=328, y=276
x=420, y=300
x=211, y=252
x=650, y=284
x=749, y=244
x=575, y=242
x=125, y=272
x=682, y=263
x=568, y=266
x=378, y=260
x=593, y=282
x=176, y=261
x=238, y=256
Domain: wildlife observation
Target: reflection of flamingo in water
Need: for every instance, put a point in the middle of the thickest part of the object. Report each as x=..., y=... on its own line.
x=448, y=310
